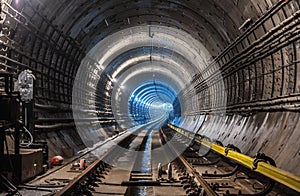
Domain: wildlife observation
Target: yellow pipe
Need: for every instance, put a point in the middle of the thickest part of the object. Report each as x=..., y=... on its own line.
x=279, y=175
x=241, y=158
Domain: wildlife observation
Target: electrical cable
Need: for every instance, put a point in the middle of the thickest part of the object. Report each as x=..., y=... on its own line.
x=31, y=139
x=25, y=145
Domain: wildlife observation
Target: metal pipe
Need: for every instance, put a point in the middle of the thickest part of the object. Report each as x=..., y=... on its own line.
x=250, y=51
x=253, y=27
x=55, y=126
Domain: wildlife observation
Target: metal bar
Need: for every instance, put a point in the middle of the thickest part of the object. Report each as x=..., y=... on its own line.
x=283, y=73
x=286, y=178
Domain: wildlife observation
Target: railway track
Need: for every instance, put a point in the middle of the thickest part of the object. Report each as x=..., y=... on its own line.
x=129, y=171
x=229, y=172
x=131, y=168
x=59, y=176
x=215, y=175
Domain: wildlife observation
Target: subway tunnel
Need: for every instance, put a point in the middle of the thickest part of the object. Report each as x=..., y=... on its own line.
x=226, y=69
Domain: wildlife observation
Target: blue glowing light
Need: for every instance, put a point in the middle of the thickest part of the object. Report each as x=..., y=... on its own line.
x=153, y=100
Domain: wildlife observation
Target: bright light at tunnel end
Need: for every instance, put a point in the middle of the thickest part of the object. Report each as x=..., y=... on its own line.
x=150, y=101
x=153, y=100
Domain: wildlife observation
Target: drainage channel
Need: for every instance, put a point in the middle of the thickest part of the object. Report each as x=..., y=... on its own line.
x=141, y=182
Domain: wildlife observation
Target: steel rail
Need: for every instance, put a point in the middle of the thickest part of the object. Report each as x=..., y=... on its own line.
x=204, y=184
x=286, y=178
x=88, y=177
x=69, y=189
x=192, y=170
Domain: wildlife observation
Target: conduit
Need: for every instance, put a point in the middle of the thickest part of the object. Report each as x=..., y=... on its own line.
x=288, y=179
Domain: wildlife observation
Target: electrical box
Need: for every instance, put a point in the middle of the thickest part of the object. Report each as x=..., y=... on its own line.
x=24, y=166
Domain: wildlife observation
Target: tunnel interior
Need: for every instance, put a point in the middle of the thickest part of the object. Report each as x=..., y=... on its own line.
x=225, y=69
x=151, y=100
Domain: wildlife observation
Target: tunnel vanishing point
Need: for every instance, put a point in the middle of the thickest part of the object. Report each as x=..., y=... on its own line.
x=226, y=69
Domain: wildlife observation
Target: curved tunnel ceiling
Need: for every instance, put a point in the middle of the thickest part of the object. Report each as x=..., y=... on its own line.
x=94, y=20
x=91, y=55
x=133, y=56
x=127, y=43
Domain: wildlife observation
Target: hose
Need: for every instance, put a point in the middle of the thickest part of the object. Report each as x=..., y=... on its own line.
x=31, y=139
x=24, y=145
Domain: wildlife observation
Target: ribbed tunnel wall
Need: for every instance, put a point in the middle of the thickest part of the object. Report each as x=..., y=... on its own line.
x=257, y=67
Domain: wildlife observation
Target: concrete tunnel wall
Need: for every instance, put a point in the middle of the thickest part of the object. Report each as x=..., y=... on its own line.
x=259, y=71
